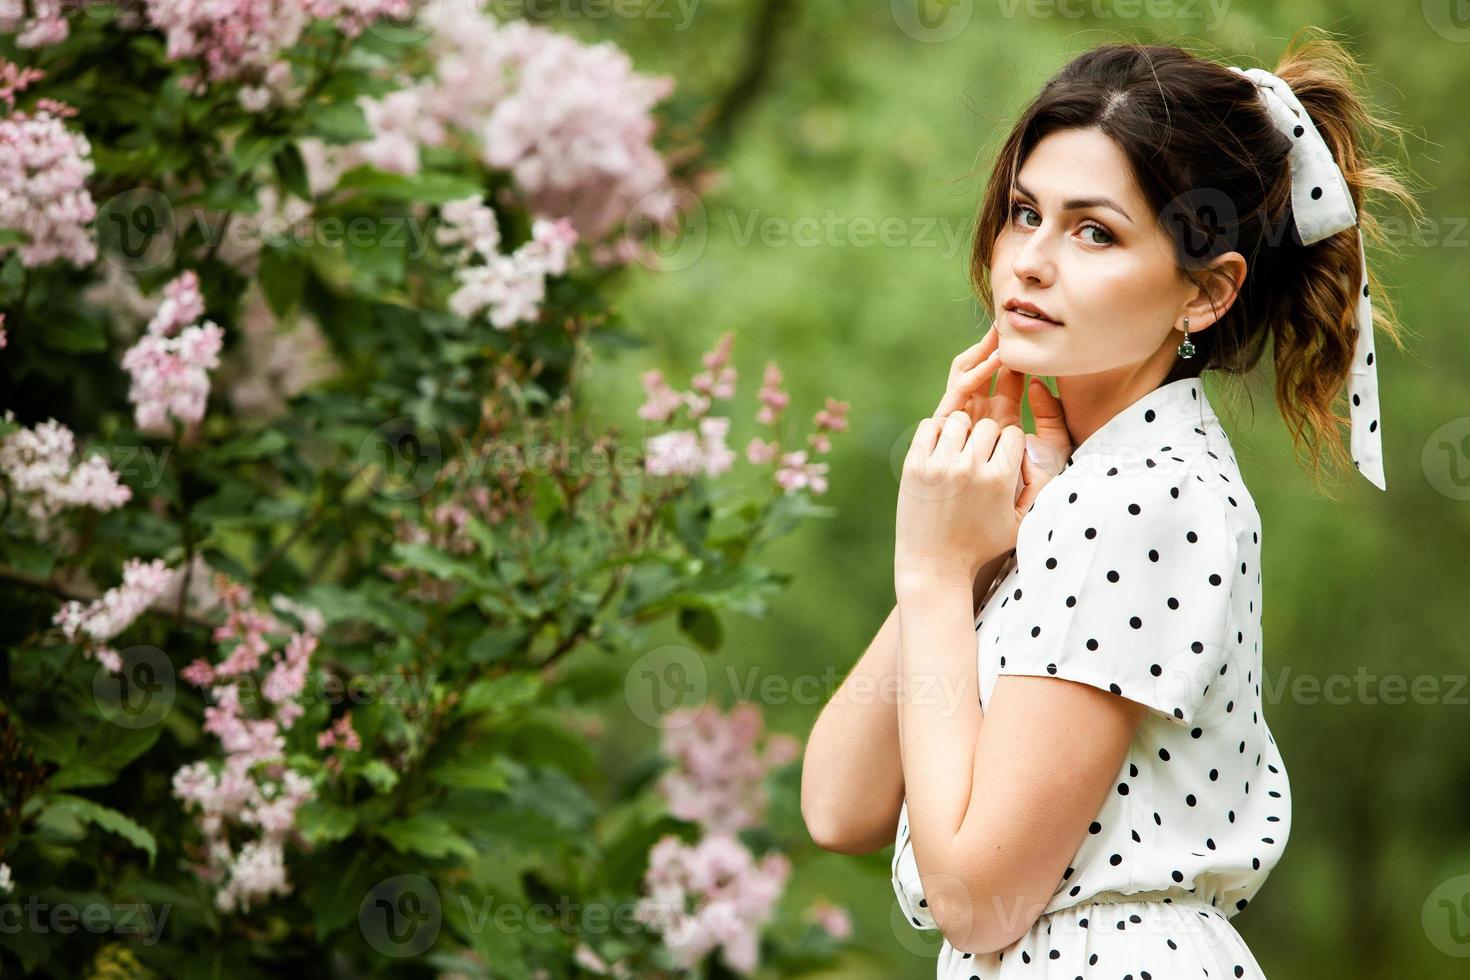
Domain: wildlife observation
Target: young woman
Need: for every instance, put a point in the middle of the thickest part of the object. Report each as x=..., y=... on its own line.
x=1077, y=767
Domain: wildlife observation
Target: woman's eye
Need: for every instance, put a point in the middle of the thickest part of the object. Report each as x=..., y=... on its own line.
x=1017, y=208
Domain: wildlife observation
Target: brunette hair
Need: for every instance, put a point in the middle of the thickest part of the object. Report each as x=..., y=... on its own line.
x=1214, y=170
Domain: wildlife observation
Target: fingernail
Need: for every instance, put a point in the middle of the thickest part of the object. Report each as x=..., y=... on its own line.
x=1031, y=451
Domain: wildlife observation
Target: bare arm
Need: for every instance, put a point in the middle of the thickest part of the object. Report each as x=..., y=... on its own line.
x=852, y=777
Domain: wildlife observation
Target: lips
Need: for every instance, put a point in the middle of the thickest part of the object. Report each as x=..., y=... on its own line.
x=1020, y=307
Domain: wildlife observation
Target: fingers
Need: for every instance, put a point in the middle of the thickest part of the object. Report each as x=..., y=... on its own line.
x=1009, y=448
x=925, y=437
x=981, y=441
x=1005, y=403
x=975, y=353
x=956, y=429
x=969, y=383
x=1055, y=442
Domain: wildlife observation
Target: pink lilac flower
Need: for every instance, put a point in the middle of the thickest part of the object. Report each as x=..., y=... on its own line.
x=662, y=401
x=99, y=621
x=717, y=380
x=673, y=453
x=718, y=774
x=170, y=374
x=587, y=958
x=796, y=473
x=571, y=122
x=712, y=895
x=182, y=304
x=773, y=399
x=716, y=457
x=254, y=790
x=44, y=25
x=244, y=40
x=41, y=471
x=832, y=919
x=340, y=734
x=275, y=358
x=832, y=418
x=511, y=287
x=14, y=78
x=43, y=173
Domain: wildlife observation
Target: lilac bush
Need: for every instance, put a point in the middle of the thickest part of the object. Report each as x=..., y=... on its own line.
x=318, y=585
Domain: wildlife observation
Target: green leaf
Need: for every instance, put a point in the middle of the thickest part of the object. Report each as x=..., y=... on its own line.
x=251, y=149
x=428, y=188
x=426, y=835
x=367, y=603
x=251, y=445
x=323, y=822
x=28, y=556
x=282, y=278
x=86, y=811
x=427, y=558
x=497, y=695
x=292, y=171
x=702, y=626
x=382, y=776
x=339, y=122
x=335, y=893
x=106, y=750
x=75, y=335
x=480, y=773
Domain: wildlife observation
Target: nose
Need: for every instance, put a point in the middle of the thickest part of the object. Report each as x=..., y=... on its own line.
x=1032, y=261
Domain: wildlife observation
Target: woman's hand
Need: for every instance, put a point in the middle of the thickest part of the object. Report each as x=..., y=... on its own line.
x=952, y=518
x=968, y=388
x=957, y=506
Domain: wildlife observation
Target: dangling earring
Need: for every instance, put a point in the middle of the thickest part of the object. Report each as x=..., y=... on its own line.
x=1186, y=349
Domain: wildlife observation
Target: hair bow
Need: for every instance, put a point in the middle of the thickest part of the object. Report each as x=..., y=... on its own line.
x=1322, y=205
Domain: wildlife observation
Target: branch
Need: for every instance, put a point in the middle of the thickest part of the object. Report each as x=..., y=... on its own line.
x=754, y=72
x=50, y=586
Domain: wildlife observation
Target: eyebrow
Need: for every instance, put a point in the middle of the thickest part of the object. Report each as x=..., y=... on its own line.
x=1080, y=203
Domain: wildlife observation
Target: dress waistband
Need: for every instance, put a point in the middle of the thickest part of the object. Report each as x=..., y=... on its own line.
x=1177, y=895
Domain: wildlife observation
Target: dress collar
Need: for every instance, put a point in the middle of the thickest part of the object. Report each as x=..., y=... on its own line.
x=1143, y=425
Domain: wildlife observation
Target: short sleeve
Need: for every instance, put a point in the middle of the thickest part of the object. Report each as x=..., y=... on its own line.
x=906, y=877
x=1125, y=585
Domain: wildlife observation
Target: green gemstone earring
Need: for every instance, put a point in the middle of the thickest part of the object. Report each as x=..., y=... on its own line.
x=1186, y=349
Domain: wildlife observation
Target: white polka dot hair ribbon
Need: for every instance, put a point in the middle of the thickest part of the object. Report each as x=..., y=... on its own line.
x=1322, y=205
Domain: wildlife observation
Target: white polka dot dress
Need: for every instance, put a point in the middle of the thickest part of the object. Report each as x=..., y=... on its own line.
x=1137, y=571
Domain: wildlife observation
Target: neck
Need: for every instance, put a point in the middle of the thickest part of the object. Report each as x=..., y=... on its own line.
x=1090, y=400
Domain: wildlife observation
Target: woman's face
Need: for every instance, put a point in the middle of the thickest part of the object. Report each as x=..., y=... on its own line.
x=1104, y=270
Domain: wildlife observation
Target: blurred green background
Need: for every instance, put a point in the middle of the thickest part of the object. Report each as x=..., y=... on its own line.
x=846, y=114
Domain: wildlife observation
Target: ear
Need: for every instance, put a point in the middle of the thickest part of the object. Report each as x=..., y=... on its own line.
x=1223, y=279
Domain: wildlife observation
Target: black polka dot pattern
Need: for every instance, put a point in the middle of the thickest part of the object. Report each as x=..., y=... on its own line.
x=1143, y=579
